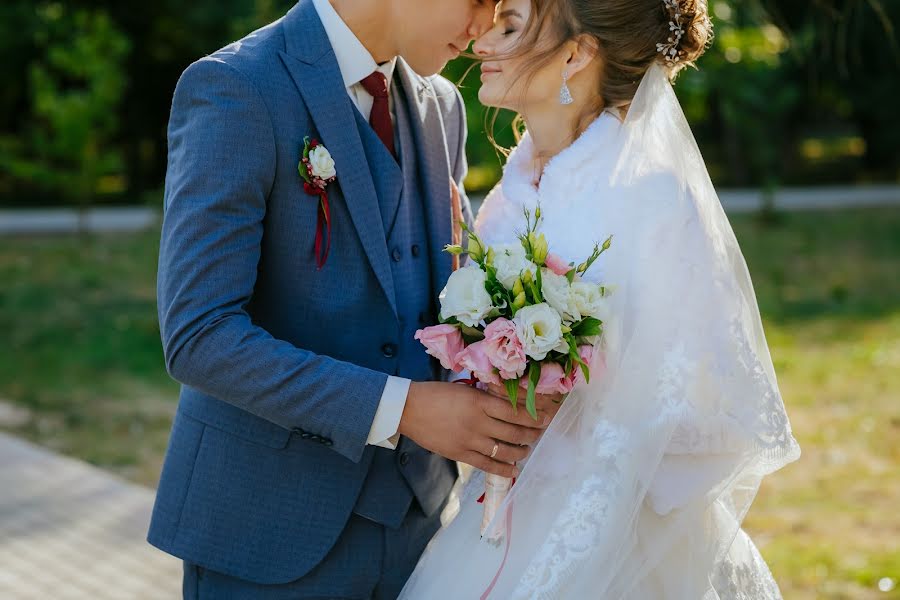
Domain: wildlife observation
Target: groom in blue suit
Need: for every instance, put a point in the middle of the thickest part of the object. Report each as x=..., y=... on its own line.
x=314, y=444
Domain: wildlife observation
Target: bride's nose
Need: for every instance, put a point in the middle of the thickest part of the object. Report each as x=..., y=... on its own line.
x=482, y=46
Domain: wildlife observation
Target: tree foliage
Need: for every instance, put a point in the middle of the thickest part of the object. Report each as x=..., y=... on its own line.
x=789, y=93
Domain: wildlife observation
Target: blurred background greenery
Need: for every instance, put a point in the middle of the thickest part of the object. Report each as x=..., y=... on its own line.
x=790, y=93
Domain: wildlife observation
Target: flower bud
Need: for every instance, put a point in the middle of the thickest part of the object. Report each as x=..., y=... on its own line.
x=518, y=287
x=540, y=249
x=454, y=249
x=526, y=277
x=519, y=301
x=476, y=252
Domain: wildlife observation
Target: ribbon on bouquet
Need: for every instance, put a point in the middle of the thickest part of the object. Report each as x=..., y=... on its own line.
x=493, y=583
x=472, y=382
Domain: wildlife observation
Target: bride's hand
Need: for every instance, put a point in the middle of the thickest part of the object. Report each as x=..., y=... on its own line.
x=547, y=405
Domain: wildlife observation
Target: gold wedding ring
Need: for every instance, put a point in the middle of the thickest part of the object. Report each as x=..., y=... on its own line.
x=495, y=450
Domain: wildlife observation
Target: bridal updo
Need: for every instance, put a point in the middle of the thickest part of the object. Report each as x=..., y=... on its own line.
x=629, y=36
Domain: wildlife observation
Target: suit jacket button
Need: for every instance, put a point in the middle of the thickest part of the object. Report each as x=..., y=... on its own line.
x=396, y=255
x=328, y=443
x=389, y=350
x=404, y=459
x=305, y=435
x=415, y=250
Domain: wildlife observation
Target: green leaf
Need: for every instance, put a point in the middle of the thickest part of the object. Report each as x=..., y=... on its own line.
x=534, y=375
x=470, y=334
x=587, y=327
x=512, y=390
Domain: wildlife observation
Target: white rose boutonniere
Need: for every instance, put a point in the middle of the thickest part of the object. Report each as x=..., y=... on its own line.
x=317, y=169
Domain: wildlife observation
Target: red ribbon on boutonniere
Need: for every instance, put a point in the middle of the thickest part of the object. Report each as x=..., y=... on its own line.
x=316, y=167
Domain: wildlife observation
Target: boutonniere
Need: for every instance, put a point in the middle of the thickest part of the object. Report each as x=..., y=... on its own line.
x=316, y=167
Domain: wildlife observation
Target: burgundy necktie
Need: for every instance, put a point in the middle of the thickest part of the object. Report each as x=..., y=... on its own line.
x=380, y=118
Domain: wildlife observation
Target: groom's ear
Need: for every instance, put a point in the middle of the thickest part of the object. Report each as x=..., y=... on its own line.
x=580, y=53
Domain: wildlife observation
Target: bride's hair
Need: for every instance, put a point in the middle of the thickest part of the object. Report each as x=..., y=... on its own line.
x=628, y=36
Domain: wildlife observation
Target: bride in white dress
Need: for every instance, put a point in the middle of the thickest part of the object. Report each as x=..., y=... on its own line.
x=639, y=486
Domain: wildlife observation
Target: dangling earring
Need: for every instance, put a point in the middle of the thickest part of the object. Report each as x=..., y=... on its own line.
x=565, y=96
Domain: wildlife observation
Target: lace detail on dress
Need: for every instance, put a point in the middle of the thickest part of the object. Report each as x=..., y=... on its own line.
x=581, y=521
x=771, y=427
x=748, y=578
x=675, y=370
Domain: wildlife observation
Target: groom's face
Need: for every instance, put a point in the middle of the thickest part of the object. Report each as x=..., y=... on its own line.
x=432, y=32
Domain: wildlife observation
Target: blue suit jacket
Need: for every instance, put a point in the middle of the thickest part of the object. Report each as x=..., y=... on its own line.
x=282, y=365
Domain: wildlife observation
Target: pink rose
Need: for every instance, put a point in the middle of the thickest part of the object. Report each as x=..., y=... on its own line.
x=556, y=264
x=586, y=352
x=444, y=342
x=475, y=359
x=504, y=349
x=552, y=376
x=552, y=379
x=555, y=381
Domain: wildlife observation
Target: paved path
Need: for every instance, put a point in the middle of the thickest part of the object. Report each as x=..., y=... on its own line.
x=70, y=531
x=64, y=220
x=126, y=219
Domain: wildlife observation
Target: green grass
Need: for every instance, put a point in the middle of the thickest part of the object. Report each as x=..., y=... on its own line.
x=79, y=316
x=85, y=362
x=828, y=286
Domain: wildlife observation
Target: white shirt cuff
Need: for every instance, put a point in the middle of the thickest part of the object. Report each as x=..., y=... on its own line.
x=454, y=376
x=387, y=418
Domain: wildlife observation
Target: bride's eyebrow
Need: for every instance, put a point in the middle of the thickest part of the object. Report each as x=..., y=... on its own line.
x=510, y=13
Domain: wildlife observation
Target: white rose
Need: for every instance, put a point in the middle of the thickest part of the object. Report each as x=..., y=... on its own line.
x=464, y=296
x=588, y=299
x=510, y=261
x=321, y=164
x=558, y=294
x=539, y=327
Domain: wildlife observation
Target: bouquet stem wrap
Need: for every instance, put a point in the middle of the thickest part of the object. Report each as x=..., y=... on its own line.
x=496, y=488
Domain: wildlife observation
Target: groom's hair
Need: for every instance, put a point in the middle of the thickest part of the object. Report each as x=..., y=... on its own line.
x=625, y=34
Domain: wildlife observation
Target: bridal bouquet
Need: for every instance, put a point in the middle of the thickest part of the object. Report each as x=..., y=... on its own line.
x=521, y=317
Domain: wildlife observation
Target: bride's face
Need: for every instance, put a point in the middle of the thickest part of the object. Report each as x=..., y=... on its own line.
x=510, y=81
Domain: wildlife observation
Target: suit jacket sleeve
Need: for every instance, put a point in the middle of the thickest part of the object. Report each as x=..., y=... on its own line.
x=222, y=161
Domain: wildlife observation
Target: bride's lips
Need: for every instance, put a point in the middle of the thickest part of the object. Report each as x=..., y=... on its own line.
x=488, y=70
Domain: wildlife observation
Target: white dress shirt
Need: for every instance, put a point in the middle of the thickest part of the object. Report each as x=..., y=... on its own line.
x=356, y=63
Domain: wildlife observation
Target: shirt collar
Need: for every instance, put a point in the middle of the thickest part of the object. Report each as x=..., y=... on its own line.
x=354, y=61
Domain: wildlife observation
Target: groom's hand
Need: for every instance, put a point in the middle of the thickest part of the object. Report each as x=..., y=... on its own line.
x=463, y=424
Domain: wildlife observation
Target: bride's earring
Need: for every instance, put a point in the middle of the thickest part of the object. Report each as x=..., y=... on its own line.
x=565, y=96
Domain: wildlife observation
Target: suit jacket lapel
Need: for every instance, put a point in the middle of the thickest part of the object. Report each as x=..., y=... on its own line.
x=312, y=64
x=430, y=140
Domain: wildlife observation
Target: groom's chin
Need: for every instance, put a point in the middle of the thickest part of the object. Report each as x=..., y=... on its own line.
x=427, y=68
x=431, y=63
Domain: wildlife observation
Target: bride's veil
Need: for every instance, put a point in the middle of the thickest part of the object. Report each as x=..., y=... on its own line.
x=639, y=486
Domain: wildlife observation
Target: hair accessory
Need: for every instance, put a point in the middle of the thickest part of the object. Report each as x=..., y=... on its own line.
x=670, y=50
